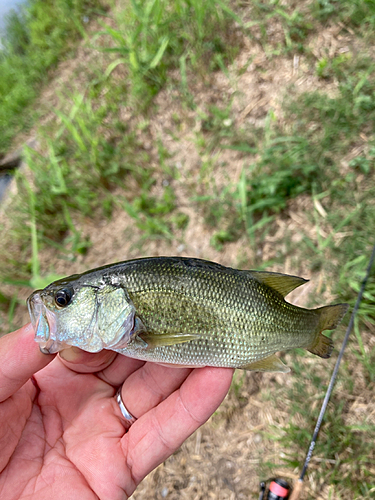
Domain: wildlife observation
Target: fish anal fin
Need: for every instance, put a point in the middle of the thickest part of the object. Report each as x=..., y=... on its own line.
x=270, y=364
x=166, y=339
x=282, y=283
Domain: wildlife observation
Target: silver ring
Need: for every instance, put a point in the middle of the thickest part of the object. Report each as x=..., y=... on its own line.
x=125, y=413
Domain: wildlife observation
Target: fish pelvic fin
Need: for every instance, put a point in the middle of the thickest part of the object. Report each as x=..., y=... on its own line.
x=330, y=318
x=282, y=283
x=270, y=364
x=164, y=339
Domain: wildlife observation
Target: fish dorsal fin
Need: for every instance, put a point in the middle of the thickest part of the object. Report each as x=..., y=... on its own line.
x=270, y=364
x=282, y=283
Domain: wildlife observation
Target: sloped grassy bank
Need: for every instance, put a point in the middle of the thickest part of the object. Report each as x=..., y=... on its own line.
x=242, y=134
x=37, y=38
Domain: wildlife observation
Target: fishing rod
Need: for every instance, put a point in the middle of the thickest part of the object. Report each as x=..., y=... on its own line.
x=280, y=489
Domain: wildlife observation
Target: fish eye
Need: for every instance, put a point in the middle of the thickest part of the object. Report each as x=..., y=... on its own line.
x=63, y=297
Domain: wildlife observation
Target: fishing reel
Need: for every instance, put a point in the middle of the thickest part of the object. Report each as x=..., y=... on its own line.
x=278, y=489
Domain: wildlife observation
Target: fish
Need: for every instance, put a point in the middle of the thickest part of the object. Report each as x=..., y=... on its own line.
x=181, y=311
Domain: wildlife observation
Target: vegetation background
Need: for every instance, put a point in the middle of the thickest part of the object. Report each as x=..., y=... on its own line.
x=236, y=131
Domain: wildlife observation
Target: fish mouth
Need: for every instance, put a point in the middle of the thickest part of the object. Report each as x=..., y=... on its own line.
x=44, y=323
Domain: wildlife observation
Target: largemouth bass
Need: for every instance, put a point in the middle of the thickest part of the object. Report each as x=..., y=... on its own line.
x=181, y=311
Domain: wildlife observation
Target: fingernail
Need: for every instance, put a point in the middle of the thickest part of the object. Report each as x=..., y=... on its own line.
x=71, y=354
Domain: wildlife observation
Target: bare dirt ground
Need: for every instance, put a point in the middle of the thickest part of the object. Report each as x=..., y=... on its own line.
x=227, y=457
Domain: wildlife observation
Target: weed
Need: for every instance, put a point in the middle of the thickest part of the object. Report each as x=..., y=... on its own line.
x=323, y=148
x=338, y=438
x=359, y=15
x=323, y=9
x=282, y=172
x=216, y=124
x=296, y=28
x=219, y=211
x=100, y=163
x=329, y=68
x=153, y=37
x=350, y=278
x=36, y=38
x=223, y=236
x=36, y=280
x=269, y=188
x=149, y=212
x=338, y=120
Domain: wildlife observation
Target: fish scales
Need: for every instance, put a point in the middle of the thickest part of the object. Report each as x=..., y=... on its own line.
x=229, y=309
x=181, y=311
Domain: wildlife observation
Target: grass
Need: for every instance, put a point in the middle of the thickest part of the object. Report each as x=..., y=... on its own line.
x=315, y=155
x=102, y=158
x=150, y=38
x=63, y=193
x=305, y=156
x=297, y=21
x=156, y=215
x=346, y=447
x=36, y=39
x=153, y=37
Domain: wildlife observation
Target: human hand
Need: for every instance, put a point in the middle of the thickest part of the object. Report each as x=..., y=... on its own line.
x=62, y=434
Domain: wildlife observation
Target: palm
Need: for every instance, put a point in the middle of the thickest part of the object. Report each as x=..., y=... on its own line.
x=71, y=438
x=65, y=438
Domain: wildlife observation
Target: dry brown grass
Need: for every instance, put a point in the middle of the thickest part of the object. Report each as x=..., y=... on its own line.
x=227, y=457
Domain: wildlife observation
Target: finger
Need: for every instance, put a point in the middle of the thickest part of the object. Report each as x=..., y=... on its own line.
x=20, y=358
x=155, y=383
x=118, y=371
x=86, y=362
x=160, y=432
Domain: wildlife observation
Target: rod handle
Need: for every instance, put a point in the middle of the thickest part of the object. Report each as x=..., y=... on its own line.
x=297, y=490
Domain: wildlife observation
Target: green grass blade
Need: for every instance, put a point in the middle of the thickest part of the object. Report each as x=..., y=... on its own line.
x=158, y=56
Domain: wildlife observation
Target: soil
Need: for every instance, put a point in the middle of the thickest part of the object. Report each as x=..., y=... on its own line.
x=227, y=457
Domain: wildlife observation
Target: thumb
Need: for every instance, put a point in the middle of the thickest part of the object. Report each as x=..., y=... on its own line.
x=86, y=362
x=20, y=358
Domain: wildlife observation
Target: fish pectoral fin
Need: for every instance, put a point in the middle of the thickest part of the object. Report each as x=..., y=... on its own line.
x=164, y=339
x=282, y=283
x=270, y=364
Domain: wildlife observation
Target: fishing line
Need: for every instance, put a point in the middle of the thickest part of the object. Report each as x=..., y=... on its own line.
x=279, y=489
x=298, y=487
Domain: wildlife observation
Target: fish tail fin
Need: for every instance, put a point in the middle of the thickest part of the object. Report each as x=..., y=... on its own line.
x=330, y=318
x=322, y=346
